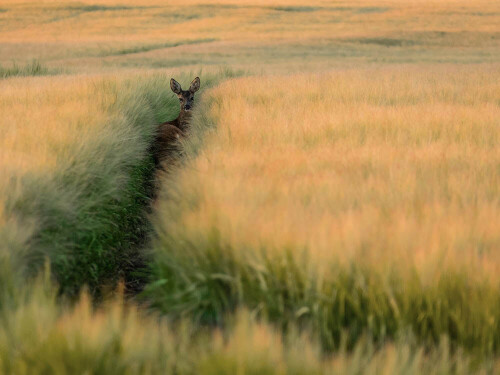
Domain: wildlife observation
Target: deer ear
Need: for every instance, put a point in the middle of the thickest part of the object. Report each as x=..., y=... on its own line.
x=195, y=85
x=175, y=86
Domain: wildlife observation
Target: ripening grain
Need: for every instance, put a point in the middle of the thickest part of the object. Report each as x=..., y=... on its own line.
x=393, y=165
x=278, y=36
x=391, y=173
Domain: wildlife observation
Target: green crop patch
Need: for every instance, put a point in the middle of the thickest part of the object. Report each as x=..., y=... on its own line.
x=151, y=47
x=33, y=68
x=299, y=9
x=102, y=8
x=386, y=42
x=368, y=10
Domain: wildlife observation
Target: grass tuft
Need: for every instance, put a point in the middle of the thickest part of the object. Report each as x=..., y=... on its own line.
x=33, y=68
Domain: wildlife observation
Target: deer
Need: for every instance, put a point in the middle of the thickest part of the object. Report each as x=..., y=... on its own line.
x=170, y=132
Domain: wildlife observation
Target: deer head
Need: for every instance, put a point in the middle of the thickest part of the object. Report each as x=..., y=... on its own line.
x=186, y=98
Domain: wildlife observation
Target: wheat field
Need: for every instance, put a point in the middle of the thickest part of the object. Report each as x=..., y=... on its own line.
x=360, y=196
x=336, y=208
x=281, y=36
x=381, y=163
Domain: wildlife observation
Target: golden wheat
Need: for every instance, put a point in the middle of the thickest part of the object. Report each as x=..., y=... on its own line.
x=376, y=165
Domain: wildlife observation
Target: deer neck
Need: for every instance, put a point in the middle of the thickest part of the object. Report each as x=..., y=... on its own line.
x=183, y=119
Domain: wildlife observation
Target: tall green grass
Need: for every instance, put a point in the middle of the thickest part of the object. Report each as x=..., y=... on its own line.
x=89, y=214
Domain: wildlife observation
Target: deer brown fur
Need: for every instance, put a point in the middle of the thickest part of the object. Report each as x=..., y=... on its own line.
x=170, y=132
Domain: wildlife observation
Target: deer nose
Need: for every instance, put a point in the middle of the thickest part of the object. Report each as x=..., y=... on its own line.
x=187, y=106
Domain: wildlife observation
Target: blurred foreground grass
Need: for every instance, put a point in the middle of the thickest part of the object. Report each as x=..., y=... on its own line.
x=118, y=338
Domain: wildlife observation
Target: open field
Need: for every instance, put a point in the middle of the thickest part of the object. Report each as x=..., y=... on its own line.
x=337, y=209
x=281, y=36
